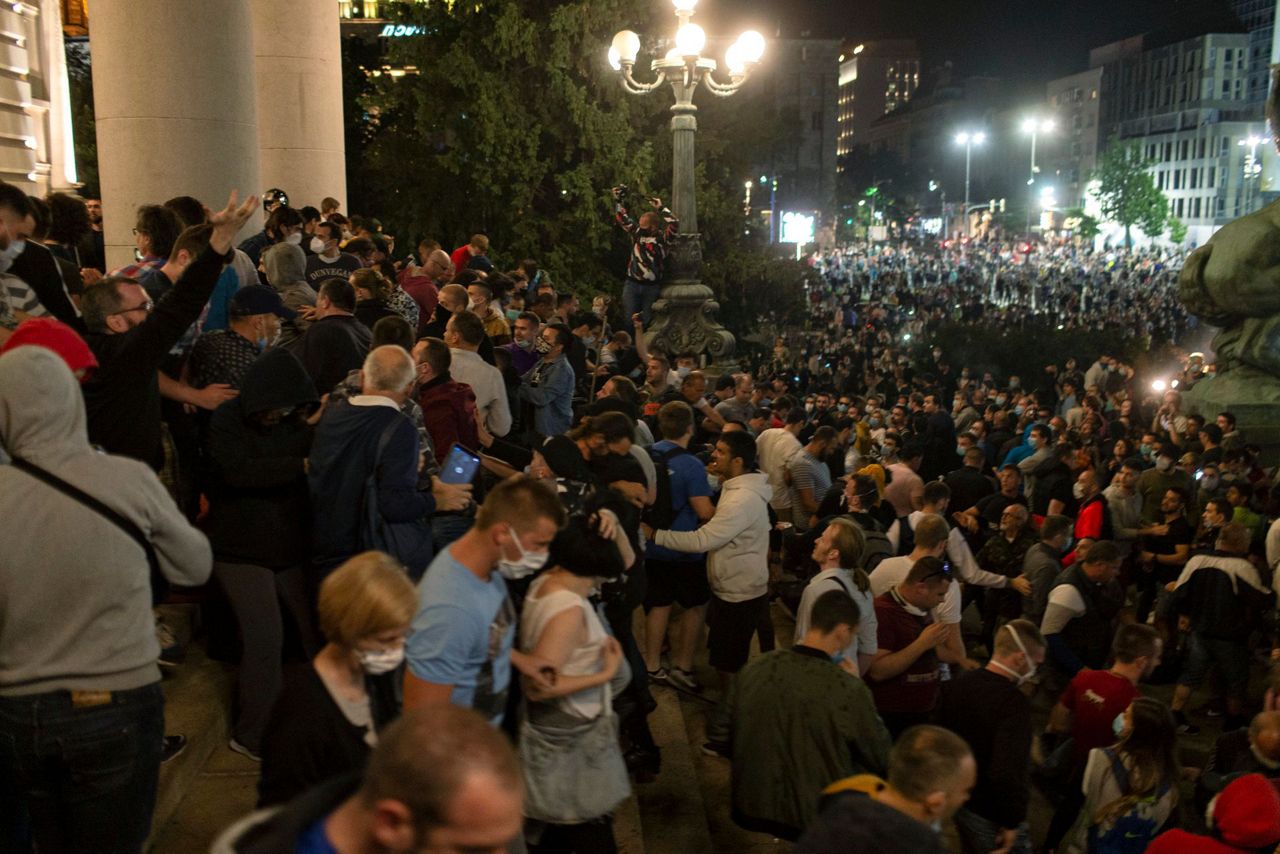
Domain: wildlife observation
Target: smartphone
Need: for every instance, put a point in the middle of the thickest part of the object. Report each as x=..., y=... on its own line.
x=460, y=466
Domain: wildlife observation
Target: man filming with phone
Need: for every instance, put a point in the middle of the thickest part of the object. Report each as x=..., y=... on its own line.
x=646, y=267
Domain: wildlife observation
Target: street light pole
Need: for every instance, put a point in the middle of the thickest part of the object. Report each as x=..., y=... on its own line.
x=684, y=315
x=1033, y=126
x=968, y=140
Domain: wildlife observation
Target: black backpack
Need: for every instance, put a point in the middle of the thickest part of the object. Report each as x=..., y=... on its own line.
x=876, y=546
x=660, y=515
x=906, y=536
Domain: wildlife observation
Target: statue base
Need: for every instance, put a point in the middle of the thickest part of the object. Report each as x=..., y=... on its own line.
x=684, y=316
x=1252, y=396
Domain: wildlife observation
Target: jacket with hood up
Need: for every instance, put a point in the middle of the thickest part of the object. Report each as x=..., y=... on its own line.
x=736, y=539
x=259, y=503
x=285, y=267
x=75, y=590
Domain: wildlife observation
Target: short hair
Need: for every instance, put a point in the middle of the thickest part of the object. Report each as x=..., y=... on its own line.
x=725, y=381
x=435, y=353
x=931, y=531
x=69, y=218
x=674, y=419
x=369, y=279
x=479, y=242
x=329, y=204
x=825, y=433
x=427, y=755
x=1234, y=537
x=40, y=217
x=193, y=240
x=974, y=455
x=1182, y=493
x=562, y=333
x=625, y=389
x=367, y=595
x=1230, y=416
x=101, y=300
x=1054, y=526
x=339, y=292
x=361, y=247
x=741, y=445
x=911, y=450
x=530, y=317
x=309, y=213
x=332, y=229
x=521, y=502
x=580, y=550
x=388, y=368
x=1103, y=551
x=565, y=299
x=1134, y=641
x=926, y=759
x=14, y=199
x=1213, y=431
x=832, y=609
x=935, y=492
x=281, y=217
x=1223, y=505
x=930, y=569
x=469, y=327
x=484, y=286
x=393, y=330
x=456, y=293
x=1027, y=632
x=693, y=378
x=613, y=426
x=188, y=209
x=161, y=226
x=661, y=359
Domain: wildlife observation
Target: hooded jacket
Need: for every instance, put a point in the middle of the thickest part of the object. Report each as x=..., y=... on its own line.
x=285, y=267
x=75, y=592
x=259, y=504
x=736, y=539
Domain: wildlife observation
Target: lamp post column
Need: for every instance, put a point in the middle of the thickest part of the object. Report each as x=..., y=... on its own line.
x=684, y=127
x=968, y=158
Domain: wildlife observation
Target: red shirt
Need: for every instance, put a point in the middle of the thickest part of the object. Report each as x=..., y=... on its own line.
x=915, y=690
x=461, y=257
x=1094, y=698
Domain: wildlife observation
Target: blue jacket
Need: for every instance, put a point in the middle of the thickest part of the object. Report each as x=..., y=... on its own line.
x=342, y=457
x=548, y=387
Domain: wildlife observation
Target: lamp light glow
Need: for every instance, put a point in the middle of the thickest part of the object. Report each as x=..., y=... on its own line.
x=627, y=44
x=684, y=6
x=733, y=59
x=752, y=46
x=690, y=39
x=615, y=61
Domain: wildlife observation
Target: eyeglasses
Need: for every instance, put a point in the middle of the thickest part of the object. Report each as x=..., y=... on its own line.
x=145, y=307
x=945, y=572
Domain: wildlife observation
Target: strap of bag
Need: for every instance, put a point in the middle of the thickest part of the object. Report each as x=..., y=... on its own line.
x=122, y=522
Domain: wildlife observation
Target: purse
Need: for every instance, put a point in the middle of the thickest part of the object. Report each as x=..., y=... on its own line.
x=573, y=774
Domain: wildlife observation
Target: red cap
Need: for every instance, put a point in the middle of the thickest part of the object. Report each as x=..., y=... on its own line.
x=58, y=337
x=1247, y=812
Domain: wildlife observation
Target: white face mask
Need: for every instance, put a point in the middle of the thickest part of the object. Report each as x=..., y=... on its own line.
x=379, y=661
x=526, y=565
x=294, y=239
x=682, y=371
x=1019, y=678
x=1077, y=490
x=10, y=254
x=1164, y=463
x=317, y=245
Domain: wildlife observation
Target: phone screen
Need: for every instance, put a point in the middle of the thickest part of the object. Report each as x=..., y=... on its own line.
x=460, y=466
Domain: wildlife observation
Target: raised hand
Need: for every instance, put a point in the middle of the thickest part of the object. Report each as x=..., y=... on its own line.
x=228, y=221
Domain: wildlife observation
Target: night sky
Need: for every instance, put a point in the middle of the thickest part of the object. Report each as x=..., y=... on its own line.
x=1025, y=41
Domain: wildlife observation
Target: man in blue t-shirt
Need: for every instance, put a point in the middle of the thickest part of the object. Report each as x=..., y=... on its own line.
x=677, y=577
x=459, y=648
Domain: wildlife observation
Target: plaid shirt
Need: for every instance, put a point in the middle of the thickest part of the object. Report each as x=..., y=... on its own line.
x=648, y=248
x=221, y=356
x=133, y=271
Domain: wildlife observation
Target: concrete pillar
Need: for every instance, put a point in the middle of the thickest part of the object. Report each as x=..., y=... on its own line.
x=173, y=94
x=298, y=62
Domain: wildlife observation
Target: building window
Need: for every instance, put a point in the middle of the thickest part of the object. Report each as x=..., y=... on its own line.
x=1195, y=179
x=1195, y=208
x=1177, y=179
x=1210, y=177
x=815, y=120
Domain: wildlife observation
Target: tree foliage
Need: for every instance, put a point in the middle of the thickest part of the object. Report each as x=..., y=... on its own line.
x=1177, y=231
x=83, y=127
x=1127, y=192
x=1085, y=226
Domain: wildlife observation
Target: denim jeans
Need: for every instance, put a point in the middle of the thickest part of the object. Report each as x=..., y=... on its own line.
x=978, y=835
x=86, y=768
x=639, y=297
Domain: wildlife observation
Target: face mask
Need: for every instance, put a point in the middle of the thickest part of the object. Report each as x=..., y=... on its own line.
x=843, y=407
x=590, y=341
x=381, y=660
x=868, y=409
x=1209, y=484
x=1018, y=410
x=524, y=344
x=543, y=346
x=1001, y=401
x=713, y=481
x=528, y=563
x=137, y=255
x=682, y=372
x=1164, y=463
x=472, y=305
x=10, y=254
x=808, y=407
x=874, y=422
x=1018, y=678
x=317, y=245
x=512, y=314
x=1077, y=490
x=837, y=657
x=1145, y=450
x=1117, y=725
x=294, y=239
x=959, y=451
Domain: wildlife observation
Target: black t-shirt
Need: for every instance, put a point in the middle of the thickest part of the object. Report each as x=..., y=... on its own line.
x=1180, y=534
x=319, y=269
x=991, y=508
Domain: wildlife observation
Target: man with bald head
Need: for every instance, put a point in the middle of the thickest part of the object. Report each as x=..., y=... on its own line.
x=364, y=435
x=423, y=283
x=1255, y=750
x=453, y=300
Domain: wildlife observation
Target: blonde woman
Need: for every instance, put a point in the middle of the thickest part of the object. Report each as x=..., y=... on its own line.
x=326, y=720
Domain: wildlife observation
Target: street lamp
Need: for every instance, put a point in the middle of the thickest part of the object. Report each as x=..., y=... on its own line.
x=684, y=316
x=1034, y=126
x=1252, y=167
x=968, y=140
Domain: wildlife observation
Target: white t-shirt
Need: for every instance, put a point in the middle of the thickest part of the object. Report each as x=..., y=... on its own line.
x=893, y=571
x=864, y=642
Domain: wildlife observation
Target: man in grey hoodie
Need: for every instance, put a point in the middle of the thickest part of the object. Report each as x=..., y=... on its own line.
x=81, y=710
x=285, y=266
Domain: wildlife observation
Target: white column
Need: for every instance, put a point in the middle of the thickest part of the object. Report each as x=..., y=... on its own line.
x=61, y=139
x=174, y=103
x=298, y=60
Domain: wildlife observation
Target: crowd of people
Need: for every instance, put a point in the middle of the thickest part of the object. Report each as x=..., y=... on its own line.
x=425, y=503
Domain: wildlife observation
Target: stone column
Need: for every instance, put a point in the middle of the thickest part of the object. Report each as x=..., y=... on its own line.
x=298, y=61
x=174, y=102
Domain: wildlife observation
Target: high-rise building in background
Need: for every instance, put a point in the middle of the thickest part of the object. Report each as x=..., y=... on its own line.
x=876, y=78
x=1259, y=19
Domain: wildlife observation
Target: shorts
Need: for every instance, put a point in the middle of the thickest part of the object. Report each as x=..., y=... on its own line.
x=1229, y=657
x=730, y=626
x=682, y=582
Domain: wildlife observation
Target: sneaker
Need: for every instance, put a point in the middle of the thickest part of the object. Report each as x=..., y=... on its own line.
x=717, y=748
x=173, y=745
x=243, y=751
x=659, y=676
x=1184, y=726
x=684, y=679
x=1212, y=708
x=172, y=653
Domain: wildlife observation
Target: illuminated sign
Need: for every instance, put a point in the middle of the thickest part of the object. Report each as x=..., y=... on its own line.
x=397, y=31
x=797, y=228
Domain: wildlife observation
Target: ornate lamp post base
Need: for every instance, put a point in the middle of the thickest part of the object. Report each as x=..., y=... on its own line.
x=685, y=315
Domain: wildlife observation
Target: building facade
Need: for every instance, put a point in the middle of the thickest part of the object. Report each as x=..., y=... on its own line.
x=1074, y=103
x=876, y=78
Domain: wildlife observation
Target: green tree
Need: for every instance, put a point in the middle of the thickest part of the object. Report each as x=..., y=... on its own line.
x=1085, y=226
x=83, y=127
x=1177, y=231
x=1127, y=193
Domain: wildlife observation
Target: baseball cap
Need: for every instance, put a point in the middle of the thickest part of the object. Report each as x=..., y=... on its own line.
x=56, y=336
x=260, y=299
